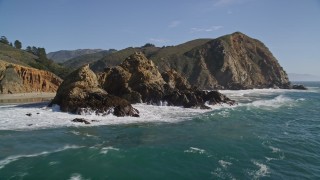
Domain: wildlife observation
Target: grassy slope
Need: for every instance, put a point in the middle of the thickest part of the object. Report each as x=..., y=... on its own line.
x=13, y=55
x=65, y=55
x=172, y=56
x=17, y=56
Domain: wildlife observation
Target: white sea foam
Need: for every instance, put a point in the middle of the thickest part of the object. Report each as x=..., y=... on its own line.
x=259, y=91
x=14, y=117
x=195, y=150
x=76, y=176
x=222, y=174
x=11, y=159
x=270, y=104
x=105, y=150
x=262, y=171
x=270, y=159
x=224, y=164
x=53, y=163
x=274, y=149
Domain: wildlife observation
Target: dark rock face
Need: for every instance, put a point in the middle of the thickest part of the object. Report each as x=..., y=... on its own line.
x=299, y=86
x=80, y=93
x=196, y=99
x=80, y=120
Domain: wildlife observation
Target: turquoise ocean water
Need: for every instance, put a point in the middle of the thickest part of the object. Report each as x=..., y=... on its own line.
x=270, y=134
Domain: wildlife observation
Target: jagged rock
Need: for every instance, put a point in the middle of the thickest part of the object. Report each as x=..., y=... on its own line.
x=29, y=114
x=20, y=79
x=196, y=98
x=137, y=79
x=124, y=110
x=80, y=120
x=175, y=80
x=299, y=86
x=80, y=93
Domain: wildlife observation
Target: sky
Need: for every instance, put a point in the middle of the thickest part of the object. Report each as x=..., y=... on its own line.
x=289, y=28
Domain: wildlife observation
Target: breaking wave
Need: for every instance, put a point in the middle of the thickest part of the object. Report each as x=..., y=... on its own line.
x=39, y=116
x=11, y=159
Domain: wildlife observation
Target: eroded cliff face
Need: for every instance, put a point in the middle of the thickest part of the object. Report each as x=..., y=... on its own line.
x=237, y=61
x=20, y=79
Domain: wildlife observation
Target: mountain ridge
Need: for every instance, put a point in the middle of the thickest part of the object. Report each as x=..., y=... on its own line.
x=64, y=55
x=233, y=61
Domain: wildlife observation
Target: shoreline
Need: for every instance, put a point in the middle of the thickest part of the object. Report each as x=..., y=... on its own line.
x=23, y=98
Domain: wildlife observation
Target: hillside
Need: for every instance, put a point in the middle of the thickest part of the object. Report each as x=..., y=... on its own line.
x=13, y=55
x=21, y=57
x=64, y=55
x=79, y=61
x=233, y=61
x=157, y=54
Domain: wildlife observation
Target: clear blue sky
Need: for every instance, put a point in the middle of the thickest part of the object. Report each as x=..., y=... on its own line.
x=290, y=28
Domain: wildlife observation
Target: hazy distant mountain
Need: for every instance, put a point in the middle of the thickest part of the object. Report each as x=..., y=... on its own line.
x=233, y=61
x=64, y=55
x=79, y=61
x=303, y=77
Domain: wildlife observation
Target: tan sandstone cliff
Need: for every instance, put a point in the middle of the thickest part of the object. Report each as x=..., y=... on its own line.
x=20, y=79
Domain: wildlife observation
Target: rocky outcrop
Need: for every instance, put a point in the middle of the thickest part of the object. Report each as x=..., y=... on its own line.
x=299, y=87
x=137, y=79
x=80, y=93
x=175, y=80
x=237, y=61
x=20, y=79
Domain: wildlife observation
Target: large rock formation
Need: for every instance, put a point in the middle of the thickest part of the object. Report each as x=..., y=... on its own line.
x=80, y=93
x=20, y=79
x=137, y=79
x=237, y=61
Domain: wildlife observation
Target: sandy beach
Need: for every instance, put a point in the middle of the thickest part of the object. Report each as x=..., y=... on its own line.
x=26, y=97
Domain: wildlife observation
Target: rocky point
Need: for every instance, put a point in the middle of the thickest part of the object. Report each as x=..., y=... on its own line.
x=135, y=80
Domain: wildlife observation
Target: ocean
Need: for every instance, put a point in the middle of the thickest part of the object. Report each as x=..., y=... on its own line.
x=269, y=134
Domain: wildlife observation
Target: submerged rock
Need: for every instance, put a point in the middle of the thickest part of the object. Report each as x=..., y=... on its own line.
x=80, y=120
x=299, y=86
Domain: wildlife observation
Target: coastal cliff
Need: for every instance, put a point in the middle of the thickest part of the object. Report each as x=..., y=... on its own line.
x=20, y=79
x=233, y=61
x=136, y=80
x=237, y=61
